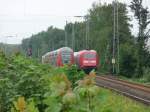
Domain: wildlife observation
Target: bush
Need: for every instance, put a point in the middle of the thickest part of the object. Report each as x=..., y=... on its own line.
x=128, y=60
x=146, y=75
x=26, y=77
x=21, y=77
x=73, y=73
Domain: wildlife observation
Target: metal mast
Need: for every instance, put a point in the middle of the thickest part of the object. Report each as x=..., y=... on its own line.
x=114, y=36
x=73, y=37
x=87, y=33
x=66, y=41
x=118, y=42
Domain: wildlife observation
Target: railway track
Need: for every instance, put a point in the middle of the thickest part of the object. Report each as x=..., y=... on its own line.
x=135, y=91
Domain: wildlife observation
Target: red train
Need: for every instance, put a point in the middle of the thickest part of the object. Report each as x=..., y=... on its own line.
x=59, y=57
x=86, y=60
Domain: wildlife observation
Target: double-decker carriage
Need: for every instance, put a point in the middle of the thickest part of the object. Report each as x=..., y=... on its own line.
x=59, y=57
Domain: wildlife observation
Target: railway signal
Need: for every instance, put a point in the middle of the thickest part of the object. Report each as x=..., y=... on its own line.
x=29, y=51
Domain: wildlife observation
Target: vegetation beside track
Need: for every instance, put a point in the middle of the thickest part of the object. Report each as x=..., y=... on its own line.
x=143, y=80
x=26, y=85
x=113, y=102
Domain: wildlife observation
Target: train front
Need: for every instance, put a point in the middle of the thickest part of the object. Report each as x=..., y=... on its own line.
x=89, y=60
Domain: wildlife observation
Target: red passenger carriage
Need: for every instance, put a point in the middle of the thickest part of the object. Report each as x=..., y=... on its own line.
x=59, y=57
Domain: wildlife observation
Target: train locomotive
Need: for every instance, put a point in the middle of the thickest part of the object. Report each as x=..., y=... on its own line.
x=59, y=57
x=86, y=60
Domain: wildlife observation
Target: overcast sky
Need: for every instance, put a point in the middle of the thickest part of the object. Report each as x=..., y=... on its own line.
x=22, y=18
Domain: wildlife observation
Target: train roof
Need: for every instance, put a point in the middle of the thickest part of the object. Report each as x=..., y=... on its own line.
x=83, y=51
x=63, y=48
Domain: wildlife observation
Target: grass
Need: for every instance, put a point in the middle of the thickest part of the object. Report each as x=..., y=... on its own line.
x=141, y=80
x=136, y=80
x=113, y=102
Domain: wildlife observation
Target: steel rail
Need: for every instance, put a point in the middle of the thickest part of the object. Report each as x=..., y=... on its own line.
x=123, y=87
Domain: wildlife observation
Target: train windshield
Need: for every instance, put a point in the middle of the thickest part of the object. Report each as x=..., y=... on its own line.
x=90, y=56
x=66, y=57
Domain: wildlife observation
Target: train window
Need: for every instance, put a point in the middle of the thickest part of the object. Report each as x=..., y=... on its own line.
x=90, y=56
x=66, y=57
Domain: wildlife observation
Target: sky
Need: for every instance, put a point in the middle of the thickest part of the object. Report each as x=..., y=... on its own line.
x=21, y=18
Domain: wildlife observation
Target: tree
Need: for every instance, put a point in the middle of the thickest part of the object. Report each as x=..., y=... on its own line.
x=141, y=14
x=101, y=33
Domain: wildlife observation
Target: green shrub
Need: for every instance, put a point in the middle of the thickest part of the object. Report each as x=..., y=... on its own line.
x=73, y=73
x=146, y=75
x=34, y=87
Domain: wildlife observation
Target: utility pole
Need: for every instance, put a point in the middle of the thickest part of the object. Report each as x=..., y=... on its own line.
x=77, y=47
x=66, y=40
x=114, y=36
x=73, y=37
x=87, y=28
x=118, y=42
x=87, y=32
